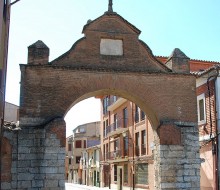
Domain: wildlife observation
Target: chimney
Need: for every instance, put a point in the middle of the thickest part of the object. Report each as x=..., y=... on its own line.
x=178, y=62
x=38, y=53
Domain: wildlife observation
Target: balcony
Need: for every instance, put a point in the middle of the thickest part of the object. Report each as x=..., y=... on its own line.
x=116, y=128
x=116, y=156
x=115, y=103
x=113, y=155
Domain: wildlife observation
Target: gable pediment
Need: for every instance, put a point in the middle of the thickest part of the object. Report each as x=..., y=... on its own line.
x=111, y=42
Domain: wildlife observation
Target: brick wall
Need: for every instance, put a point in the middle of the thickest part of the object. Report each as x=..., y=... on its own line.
x=205, y=129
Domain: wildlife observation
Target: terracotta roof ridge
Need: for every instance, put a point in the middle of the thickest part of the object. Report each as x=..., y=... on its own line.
x=199, y=60
x=205, y=71
x=205, y=61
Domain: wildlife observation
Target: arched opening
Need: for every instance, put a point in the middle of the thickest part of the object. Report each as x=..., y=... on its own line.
x=126, y=135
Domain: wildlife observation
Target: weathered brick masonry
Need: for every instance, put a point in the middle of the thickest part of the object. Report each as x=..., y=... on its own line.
x=49, y=90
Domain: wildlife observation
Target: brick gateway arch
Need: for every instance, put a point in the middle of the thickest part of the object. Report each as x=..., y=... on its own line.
x=109, y=59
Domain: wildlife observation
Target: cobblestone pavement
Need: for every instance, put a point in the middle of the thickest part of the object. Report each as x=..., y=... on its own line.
x=71, y=186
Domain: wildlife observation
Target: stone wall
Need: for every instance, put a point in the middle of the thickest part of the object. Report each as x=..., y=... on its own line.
x=178, y=166
x=38, y=157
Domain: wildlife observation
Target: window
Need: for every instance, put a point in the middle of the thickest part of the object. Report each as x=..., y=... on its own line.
x=69, y=161
x=104, y=129
x=84, y=143
x=104, y=152
x=116, y=144
x=97, y=176
x=111, y=47
x=116, y=148
x=105, y=103
x=115, y=172
x=115, y=122
x=125, y=117
x=114, y=98
x=142, y=115
x=201, y=109
x=82, y=130
x=69, y=147
x=78, y=144
x=78, y=159
x=126, y=173
x=107, y=152
x=125, y=146
x=94, y=155
x=136, y=114
x=141, y=174
x=143, y=142
x=137, y=144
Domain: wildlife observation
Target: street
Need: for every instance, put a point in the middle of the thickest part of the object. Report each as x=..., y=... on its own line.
x=71, y=186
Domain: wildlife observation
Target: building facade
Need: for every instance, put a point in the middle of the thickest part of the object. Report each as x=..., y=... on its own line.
x=84, y=136
x=4, y=35
x=90, y=166
x=208, y=120
x=126, y=144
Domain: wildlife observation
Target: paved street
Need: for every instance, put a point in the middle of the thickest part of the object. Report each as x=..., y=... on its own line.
x=71, y=186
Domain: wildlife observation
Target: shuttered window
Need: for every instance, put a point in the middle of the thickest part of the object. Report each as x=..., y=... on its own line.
x=142, y=174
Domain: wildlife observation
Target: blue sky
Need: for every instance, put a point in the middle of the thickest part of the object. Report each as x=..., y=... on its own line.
x=191, y=25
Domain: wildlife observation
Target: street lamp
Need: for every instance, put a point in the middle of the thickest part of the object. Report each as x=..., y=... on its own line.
x=125, y=135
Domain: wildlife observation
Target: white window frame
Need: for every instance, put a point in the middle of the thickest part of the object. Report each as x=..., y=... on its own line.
x=201, y=97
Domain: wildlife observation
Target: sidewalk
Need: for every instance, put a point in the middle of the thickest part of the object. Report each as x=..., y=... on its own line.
x=72, y=186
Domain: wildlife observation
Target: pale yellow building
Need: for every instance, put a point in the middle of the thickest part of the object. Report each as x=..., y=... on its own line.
x=84, y=136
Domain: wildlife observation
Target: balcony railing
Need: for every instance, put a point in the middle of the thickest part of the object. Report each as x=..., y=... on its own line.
x=121, y=123
x=115, y=154
x=143, y=149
